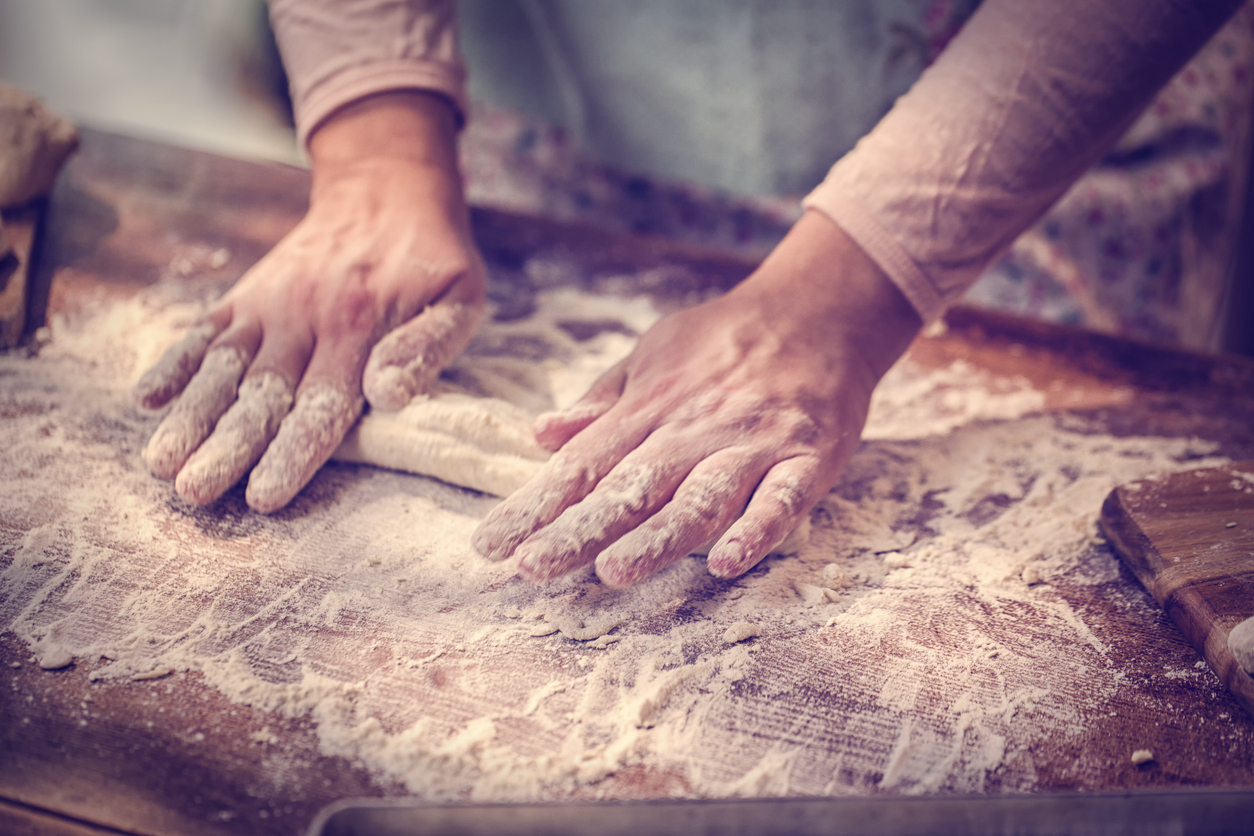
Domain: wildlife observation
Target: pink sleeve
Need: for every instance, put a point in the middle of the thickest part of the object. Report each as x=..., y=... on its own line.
x=1021, y=103
x=337, y=51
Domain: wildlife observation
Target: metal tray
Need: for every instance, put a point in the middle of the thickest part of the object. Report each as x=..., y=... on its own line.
x=1175, y=813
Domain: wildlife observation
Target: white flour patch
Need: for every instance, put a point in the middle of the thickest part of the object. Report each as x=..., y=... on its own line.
x=939, y=654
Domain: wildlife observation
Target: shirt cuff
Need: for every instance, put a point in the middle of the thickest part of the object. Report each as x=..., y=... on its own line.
x=380, y=77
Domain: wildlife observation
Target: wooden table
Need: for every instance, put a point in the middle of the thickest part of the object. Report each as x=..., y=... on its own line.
x=119, y=215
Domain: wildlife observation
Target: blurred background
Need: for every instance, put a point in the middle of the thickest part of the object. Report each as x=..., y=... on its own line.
x=706, y=121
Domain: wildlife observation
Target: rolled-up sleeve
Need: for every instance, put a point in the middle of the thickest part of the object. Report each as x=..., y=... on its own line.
x=338, y=51
x=1026, y=98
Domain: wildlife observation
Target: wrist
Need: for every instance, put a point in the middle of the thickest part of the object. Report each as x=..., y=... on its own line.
x=820, y=283
x=402, y=128
x=388, y=150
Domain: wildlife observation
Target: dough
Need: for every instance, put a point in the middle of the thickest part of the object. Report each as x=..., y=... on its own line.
x=740, y=631
x=480, y=443
x=34, y=142
x=1241, y=643
x=485, y=444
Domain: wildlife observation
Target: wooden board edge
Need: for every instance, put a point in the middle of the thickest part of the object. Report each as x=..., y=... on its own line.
x=1200, y=625
x=17, y=819
x=1129, y=541
x=1135, y=549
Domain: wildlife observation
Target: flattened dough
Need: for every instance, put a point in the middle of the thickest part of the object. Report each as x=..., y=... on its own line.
x=480, y=443
x=485, y=444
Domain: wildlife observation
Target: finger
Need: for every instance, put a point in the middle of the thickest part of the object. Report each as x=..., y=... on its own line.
x=328, y=402
x=564, y=480
x=631, y=493
x=238, y=440
x=196, y=411
x=170, y=374
x=264, y=398
x=554, y=429
x=323, y=414
x=779, y=504
x=407, y=360
x=703, y=507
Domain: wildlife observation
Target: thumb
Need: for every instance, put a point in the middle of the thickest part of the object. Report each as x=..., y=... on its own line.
x=409, y=357
x=554, y=429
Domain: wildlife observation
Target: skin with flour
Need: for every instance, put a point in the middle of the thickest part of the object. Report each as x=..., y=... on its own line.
x=796, y=445
x=734, y=416
x=482, y=443
x=366, y=300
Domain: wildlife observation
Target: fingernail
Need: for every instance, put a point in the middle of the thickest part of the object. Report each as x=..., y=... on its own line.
x=497, y=536
x=617, y=572
x=486, y=541
x=388, y=388
x=727, y=560
x=535, y=565
x=166, y=451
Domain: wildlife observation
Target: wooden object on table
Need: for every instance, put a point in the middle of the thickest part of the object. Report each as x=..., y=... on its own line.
x=19, y=234
x=1189, y=538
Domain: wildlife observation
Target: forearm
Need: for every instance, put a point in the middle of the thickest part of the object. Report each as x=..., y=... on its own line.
x=819, y=286
x=1024, y=100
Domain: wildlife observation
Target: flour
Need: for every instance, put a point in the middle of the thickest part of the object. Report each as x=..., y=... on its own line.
x=740, y=631
x=926, y=660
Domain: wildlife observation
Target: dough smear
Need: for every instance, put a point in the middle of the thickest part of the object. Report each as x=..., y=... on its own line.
x=480, y=443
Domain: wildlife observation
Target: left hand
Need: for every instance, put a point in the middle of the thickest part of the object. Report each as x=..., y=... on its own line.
x=371, y=294
x=730, y=420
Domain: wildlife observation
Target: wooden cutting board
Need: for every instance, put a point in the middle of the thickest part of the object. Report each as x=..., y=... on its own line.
x=1189, y=538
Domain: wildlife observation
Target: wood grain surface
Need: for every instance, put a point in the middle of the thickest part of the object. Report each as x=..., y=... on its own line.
x=174, y=755
x=1189, y=538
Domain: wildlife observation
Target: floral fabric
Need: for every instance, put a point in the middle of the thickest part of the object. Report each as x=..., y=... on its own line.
x=1140, y=246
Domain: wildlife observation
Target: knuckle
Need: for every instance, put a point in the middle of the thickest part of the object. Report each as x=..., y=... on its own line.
x=629, y=491
x=353, y=310
x=799, y=427
x=788, y=495
x=704, y=503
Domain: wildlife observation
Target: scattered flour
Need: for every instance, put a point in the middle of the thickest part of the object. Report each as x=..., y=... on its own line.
x=918, y=640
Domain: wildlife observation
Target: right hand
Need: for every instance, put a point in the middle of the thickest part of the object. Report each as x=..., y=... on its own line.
x=378, y=288
x=728, y=422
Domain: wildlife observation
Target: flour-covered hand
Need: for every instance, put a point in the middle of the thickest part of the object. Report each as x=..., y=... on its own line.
x=376, y=289
x=728, y=422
